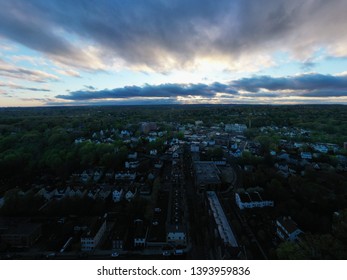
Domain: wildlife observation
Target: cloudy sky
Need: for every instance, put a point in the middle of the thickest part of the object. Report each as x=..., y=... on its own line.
x=63, y=52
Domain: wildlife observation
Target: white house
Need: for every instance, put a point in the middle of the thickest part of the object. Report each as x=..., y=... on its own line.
x=251, y=200
x=124, y=133
x=131, y=164
x=306, y=155
x=287, y=229
x=176, y=234
x=320, y=148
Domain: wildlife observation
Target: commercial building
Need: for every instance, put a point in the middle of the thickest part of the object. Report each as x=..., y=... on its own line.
x=207, y=176
x=223, y=243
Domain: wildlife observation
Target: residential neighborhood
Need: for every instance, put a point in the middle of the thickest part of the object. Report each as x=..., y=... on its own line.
x=171, y=189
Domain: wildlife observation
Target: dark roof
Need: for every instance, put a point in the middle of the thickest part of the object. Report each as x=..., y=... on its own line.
x=255, y=196
x=244, y=197
x=288, y=224
x=93, y=225
x=206, y=173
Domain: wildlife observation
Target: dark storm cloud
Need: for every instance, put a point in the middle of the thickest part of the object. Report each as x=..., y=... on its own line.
x=306, y=82
x=152, y=32
x=150, y=91
x=308, y=85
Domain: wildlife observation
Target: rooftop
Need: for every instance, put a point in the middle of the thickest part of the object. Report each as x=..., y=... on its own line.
x=224, y=228
x=206, y=172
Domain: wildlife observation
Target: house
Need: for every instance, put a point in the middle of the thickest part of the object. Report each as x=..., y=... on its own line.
x=211, y=142
x=251, y=200
x=131, y=176
x=283, y=167
x=306, y=155
x=140, y=233
x=97, y=175
x=194, y=148
x=91, y=237
x=124, y=133
x=287, y=229
x=153, y=152
x=298, y=145
x=75, y=192
x=236, y=128
x=151, y=176
x=151, y=139
x=85, y=176
x=60, y=193
x=104, y=194
x=284, y=156
x=233, y=146
x=46, y=193
x=158, y=164
x=93, y=194
x=132, y=164
x=118, y=236
x=130, y=194
x=237, y=153
x=117, y=194
x=320, y=148
x=176, y=234
x=219, y=221
x=175, y=155
x=132, y=156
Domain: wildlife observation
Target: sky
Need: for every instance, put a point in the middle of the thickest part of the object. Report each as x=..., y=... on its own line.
x=105, y=52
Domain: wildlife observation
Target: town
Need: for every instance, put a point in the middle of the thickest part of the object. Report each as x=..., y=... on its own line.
x=173, y=182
